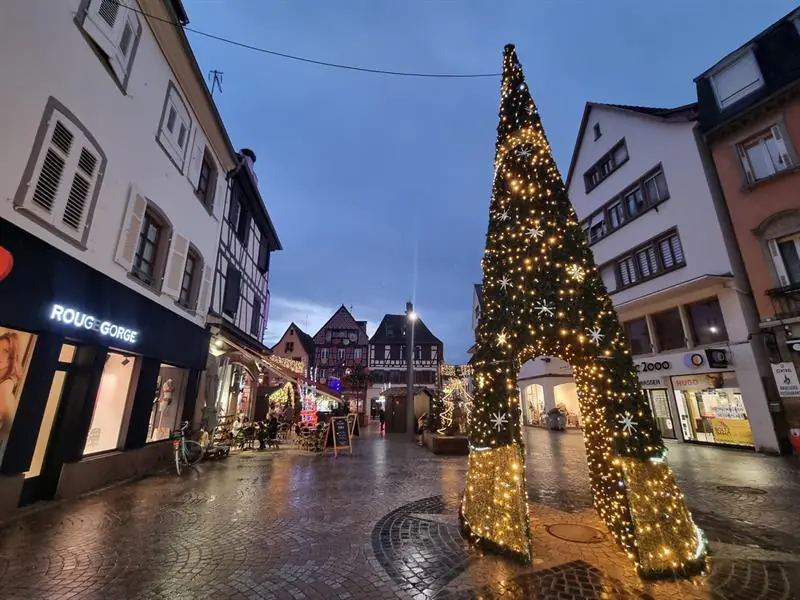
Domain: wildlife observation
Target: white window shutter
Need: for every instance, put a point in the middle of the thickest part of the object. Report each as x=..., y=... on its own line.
x=745, y=162
x=780, y=144
x=176, y=263
x=131, y=227
x=76, y=202
x=130, y=30
x=777, y=260
x=204, y=293
x=104, y=19
x=47, y=183
x=196, y=158
x=221, y=196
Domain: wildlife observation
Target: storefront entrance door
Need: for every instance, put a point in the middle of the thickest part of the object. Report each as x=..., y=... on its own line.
x=396, y=416
x=659, y=405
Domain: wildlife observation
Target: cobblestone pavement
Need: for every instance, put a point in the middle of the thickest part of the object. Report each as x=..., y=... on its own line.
x=382, y=524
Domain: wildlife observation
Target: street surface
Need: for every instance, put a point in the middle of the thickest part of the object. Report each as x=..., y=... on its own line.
x=382, y=524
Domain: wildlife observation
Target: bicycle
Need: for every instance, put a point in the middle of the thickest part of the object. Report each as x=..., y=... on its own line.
x=187, y=452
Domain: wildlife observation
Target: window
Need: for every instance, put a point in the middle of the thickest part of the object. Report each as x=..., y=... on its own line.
x=230, y=300
x=165, y=417
x=243, y=225
x=233, y=206
x=289, y=348
x=737, y=80
x=597, y=132
x=111, y=404
x=764, y=155
x=785, y=254
x=16, y=349
x=151, y=236
x=616, y=215
x=656, y=187
x=627, y=271
x=669, y=330
x=671, y=251
x=597, y=227
x=389, y=331
x=646, y=260
x=206, y=181
x=323, y=353
x=190, y=280
x=634, y=201
x=638, y=336
x=255, y=318
x=608, y=163
x=340, y=353
x=173, y=133
x=62, y=177
x=357, y=353
x=263, y=255
x=708, y=326
x=115, y=31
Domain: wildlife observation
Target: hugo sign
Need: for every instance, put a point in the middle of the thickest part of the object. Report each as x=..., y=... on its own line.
x=81, y=320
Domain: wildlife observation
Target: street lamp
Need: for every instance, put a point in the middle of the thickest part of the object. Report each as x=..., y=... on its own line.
x=411, y=316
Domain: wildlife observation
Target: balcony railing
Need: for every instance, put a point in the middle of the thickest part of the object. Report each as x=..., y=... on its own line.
x=785, y=301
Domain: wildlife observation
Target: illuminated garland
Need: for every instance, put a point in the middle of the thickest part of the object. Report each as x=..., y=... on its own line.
x=456, y=370
x=293, y=366
x=543, y=296
x=283, y=394
x=455, y=389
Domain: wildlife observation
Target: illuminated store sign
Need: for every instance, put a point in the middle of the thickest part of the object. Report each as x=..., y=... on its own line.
x=81, y=320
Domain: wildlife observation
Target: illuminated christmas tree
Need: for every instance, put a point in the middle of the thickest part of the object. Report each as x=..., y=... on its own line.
x=543, y=296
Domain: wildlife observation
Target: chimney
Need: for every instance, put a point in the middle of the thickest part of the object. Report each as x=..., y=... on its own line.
x=249, y=158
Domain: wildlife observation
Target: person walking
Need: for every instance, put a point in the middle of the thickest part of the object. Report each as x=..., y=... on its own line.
x=382, y=418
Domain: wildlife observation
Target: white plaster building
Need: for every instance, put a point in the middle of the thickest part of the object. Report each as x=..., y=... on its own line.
x=112, y=193
x=643, y=190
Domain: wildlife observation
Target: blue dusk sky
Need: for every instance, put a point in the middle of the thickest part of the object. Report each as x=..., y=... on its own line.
x=379, y=186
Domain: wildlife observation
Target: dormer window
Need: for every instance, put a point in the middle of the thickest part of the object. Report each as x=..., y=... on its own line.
x=597, y=132
x=737, y=79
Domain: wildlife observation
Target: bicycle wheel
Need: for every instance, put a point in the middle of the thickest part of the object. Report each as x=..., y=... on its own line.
x=178, y=461
x=193, y=452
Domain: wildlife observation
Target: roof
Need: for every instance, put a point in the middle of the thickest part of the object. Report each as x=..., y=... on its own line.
x=479, y=293
x=306, y=341
x=794, y=12
x=342, y=319
x=422, y=335
x=687, y=111
x=263, y=215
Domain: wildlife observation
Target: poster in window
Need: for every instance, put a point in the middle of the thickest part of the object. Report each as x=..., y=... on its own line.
x=16, y=348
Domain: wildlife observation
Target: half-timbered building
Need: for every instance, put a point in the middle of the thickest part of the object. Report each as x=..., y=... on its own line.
x=388, y=358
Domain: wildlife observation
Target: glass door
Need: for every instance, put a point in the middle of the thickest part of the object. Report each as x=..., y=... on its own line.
x=659, y=405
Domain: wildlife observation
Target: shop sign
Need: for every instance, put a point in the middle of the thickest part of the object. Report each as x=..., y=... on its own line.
x=81, y=320
x=657, y=382
x=732, y=431
x=786, y=379
x=717, y=358
x=693, y=360
x=660, y=365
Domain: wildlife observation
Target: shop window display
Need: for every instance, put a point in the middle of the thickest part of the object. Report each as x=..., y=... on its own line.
x=711, y=409
x=167, y=403
x=16, y=348
x=110, y=408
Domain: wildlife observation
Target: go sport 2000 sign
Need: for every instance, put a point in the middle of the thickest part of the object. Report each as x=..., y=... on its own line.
x=81, y=320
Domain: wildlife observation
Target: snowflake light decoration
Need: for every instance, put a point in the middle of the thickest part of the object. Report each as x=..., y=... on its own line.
x=576, y=272
x=499, y=421
x=504, y=282
x=595, y=335
x=627, y=423
x=535, y=233
x=545, y=309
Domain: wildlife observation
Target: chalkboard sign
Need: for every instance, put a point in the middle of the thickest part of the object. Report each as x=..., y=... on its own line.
x=353, y=423
x=339, y=438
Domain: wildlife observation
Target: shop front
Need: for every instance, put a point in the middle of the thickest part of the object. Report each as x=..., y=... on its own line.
x=94, y=377
x=696, y=396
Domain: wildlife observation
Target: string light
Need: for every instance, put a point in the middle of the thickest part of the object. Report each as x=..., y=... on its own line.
x=543, y=296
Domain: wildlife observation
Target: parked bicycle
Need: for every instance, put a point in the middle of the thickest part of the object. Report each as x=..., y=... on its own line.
x=187, y=452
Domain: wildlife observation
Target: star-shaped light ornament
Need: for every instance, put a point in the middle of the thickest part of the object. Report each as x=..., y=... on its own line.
x=627, y=423
x=502, y=338
x=595, y=336
x=535, y=233
x=499, y=420
x=545, y=309
x=576, y=272
x=504, y=216
x=504, y=282
x=529, y=110
x=524, y=153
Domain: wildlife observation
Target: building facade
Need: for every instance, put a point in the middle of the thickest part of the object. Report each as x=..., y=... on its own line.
x=109, y=239
x=239, y=307
x=641, y=187
x=295, y=344
x=340, y=361
x=749, y=112
x=388, y=358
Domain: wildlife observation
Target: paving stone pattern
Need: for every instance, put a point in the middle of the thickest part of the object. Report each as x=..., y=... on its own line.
x=382, y=524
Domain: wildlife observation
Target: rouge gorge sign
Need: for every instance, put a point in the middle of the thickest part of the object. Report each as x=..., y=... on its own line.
x=80, y=320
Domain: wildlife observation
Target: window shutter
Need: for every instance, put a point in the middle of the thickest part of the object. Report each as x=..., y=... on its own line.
x=76, y=207
x=780, y=144
x=45, y=186
x=263, y=255
x=777, y=260
x=221, y=196
x=176, y=263
x=129, y=31
x=103, y=23
x=206, y=285
x=233, y=280
x=745, y=162
x=196, y=158
x=131, y=227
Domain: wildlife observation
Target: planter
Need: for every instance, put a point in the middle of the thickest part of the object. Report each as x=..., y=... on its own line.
x=457, y=445
x=557, y=421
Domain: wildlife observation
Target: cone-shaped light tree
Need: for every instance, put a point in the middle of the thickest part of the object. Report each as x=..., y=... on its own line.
x=543, y=296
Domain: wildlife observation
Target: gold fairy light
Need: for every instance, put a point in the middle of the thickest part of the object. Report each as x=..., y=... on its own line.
x=543, y=296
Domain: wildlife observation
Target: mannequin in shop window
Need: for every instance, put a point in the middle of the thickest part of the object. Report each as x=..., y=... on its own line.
x=10, y=376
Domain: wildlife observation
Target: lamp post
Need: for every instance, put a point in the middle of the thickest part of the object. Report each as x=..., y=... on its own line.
x=411, y=317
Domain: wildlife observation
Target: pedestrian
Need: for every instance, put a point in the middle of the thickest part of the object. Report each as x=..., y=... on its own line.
x=421, y=422
x=382, y=418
